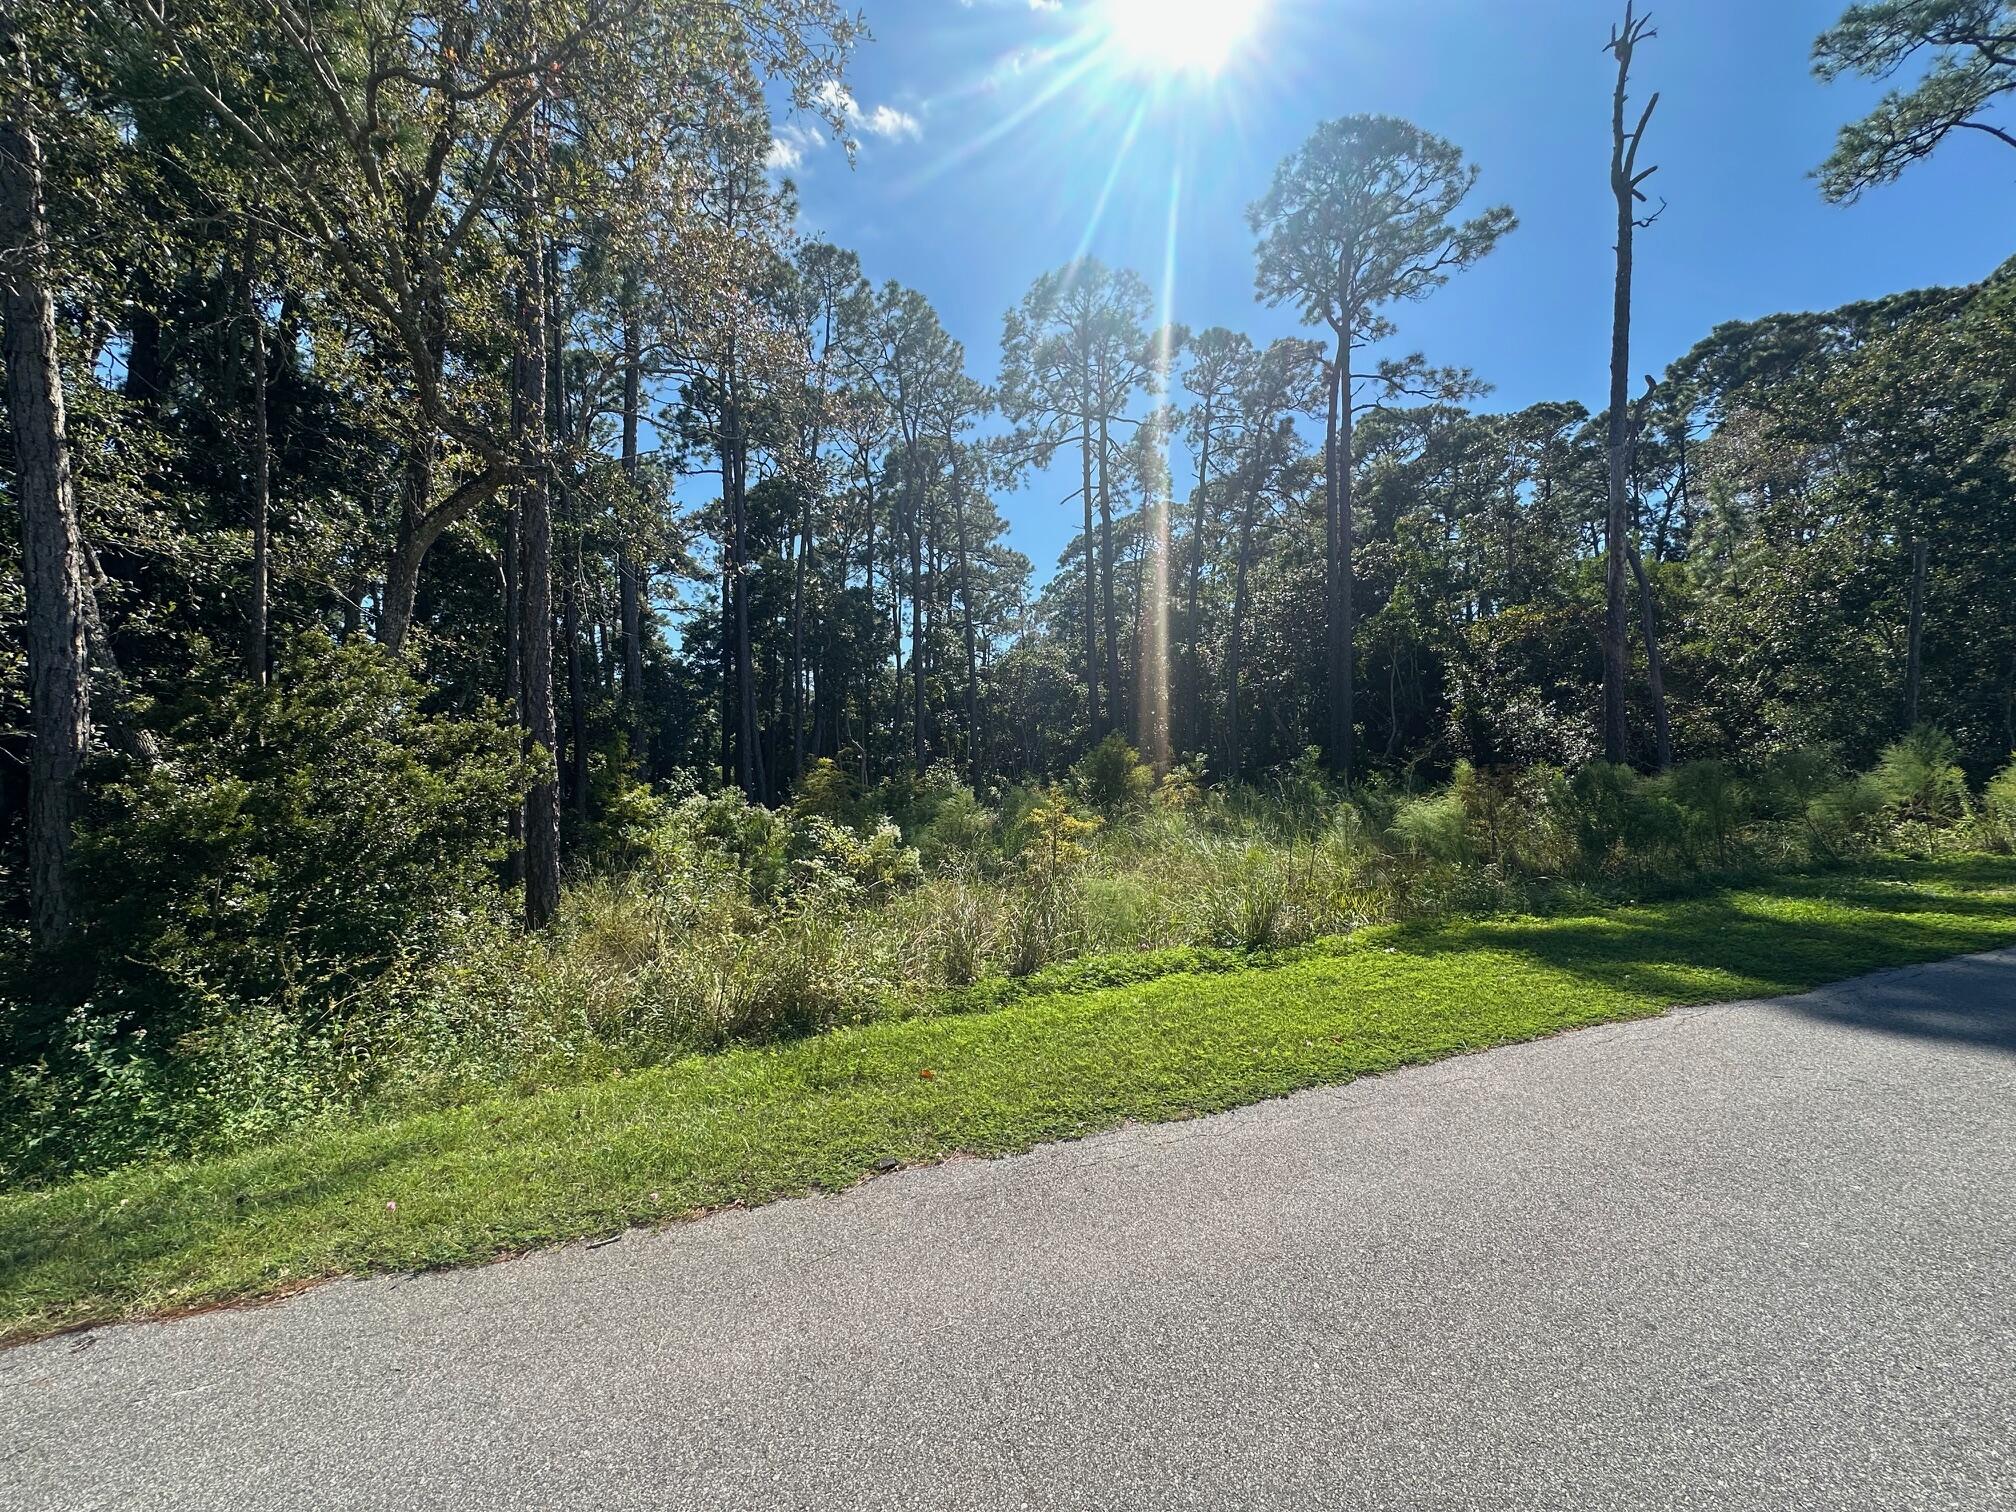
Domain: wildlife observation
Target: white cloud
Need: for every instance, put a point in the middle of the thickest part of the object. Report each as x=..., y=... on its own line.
x=783, y=156
x=882, y=121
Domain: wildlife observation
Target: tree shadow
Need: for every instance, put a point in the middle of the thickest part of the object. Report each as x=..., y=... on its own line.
x=1737, y=945
x=1970, y=1001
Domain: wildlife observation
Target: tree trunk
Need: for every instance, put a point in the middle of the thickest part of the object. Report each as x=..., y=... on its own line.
x=1092, y=721
x=1110, y=621
x=535, y=598
x=966, y=605
x=1340, y=641
x=511, y=566
x=59, y=698
x=260, y=481
x=1914, y=653
x=1235, y=749
x=1193, y=700
x=577, y=691
x=917, y=637
x=420, y=524
x=871, y=662
x=1624, y=181
x=1655, y=661
x=629, y=570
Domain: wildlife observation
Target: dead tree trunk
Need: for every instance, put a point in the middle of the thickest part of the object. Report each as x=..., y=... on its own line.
x=1626, y=179
x=59, y=699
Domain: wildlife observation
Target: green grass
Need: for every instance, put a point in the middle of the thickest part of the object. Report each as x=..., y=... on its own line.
x=751, y=1125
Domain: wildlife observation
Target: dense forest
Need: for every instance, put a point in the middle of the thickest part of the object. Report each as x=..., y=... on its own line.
x=447, y=498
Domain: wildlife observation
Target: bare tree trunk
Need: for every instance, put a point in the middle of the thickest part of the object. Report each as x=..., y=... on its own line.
x=59, y=696
x=1625, y=179
x=1092, y=722
x=629, y=570
x=577, y=692
x=260, y=483
x=1914, y=654
x=917, y=636
x=1655, y=661
x=966, y=605
x=1193, y=693
x=871, y=662
x=1235, y=642
x=1111, y=624
x=542, y=799
x=1340, y=641
x=511, y=565
x=420, y=524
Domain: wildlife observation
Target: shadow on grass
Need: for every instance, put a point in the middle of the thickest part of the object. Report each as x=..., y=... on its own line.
x=1808, y=931
x=47, y=1236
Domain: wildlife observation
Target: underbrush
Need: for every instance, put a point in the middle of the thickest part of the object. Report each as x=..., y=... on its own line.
x=710, y=921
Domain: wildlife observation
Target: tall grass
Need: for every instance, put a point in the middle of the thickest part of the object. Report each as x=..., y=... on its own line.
x=730, y=923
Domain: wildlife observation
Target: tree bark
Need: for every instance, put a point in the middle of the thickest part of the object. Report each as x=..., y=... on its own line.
x=259, y=484
x=917, y=636
x=1092, y=722
x=535, y=597
x=59, y=697
x=871, y=661
x=1110, y=620
x=966, y=605
x=1655, y=661
x=1914, y=654
x=1624, y=181
x=629, y=570
x=1235, y=751
x=1193, y=615
x=1342, y=628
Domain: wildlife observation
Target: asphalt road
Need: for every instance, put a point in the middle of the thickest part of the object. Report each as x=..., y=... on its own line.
x=1754, y=1256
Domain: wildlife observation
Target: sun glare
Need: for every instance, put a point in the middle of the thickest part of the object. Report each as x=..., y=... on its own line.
x=1181, y=36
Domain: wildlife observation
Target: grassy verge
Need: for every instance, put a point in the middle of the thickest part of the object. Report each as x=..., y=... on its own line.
x=751, y=1125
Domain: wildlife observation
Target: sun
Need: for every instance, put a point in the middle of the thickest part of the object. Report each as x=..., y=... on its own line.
x=1181, y=36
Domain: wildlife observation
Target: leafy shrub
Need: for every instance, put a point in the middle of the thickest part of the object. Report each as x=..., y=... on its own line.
x=1789, y=780
x=828, y=791
x=1920, y=777
x=962, y=837
x=1112, y=778
x=294, y=841
x=1714, y=802
x=1998, y=807
x=1847, y=815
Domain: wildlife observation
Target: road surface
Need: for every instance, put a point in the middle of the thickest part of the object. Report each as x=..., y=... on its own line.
x=1751, y=1256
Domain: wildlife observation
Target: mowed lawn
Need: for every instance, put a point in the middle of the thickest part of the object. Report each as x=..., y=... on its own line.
x=751, y=1125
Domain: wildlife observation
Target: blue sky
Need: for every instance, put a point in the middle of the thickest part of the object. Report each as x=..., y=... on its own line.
x=984, y=162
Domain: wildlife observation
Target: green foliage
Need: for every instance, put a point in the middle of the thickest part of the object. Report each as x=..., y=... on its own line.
x=1970, y=69
x=1998, y=807
x=1920, y=778
x=294, y=841
x=1715, y=802
x=1061, y=1056
x=1433, y=829
x=1112, y=778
